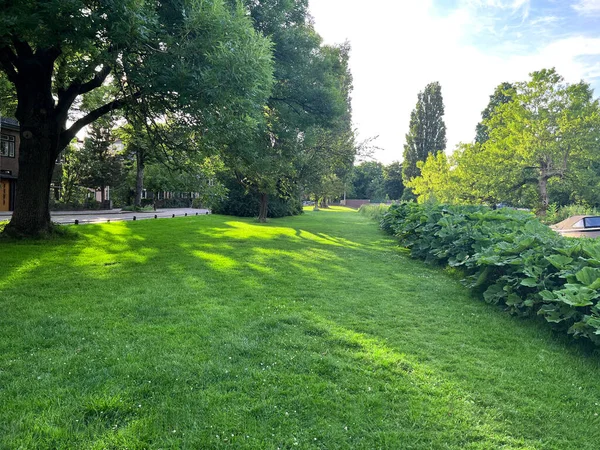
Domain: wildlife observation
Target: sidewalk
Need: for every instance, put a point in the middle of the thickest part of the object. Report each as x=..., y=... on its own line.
x=114, y=215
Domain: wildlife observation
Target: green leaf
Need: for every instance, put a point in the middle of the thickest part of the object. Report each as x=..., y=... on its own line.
x=559, y=261
x=576, y=295
x=529, y=282
x=494, y=294
x=514, y=300
x=589, y=276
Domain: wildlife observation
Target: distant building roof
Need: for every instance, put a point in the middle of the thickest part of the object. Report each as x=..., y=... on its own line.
x=10, y=122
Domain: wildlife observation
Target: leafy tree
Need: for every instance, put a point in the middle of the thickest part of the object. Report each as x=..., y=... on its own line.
x=541, y=143
x=549, y=130
x=71, y=173
x=368, y=181
x=199, y=61
x=462, y=178
x=392, y=181
x=100, y=165
x=8, y=104
x=427, y=131
x=196, y=176
x=310, y=100
x=502, y=94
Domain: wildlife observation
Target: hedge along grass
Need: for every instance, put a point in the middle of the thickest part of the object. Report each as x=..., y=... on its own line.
x=511, y=258
x=308, y=332
x=374, y=212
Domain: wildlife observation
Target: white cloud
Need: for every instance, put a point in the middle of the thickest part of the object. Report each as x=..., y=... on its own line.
x=591, y=7
x=398, y=47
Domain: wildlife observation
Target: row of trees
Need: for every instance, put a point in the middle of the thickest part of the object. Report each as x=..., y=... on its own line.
x=537, y=144
x=246, y=87
x=375, y=181
x=109, y=157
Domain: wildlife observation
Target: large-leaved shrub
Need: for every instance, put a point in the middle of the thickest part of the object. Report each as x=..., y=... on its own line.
x=511, y=258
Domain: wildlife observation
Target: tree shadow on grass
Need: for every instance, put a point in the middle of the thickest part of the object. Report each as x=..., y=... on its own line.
x=238, y=323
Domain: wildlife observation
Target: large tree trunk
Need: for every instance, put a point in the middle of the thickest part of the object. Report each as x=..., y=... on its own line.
x=139, y=179
x=31, y=216
x=323, y=202
x=40, y=129
x=38, y=150
x=264, y=208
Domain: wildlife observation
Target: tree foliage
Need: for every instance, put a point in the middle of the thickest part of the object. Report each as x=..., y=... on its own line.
x=99, y=163
x=540, y=143
x=201, y=62
x=392, y=180
x=306, y=136
x=427, y=130
x=502, y=94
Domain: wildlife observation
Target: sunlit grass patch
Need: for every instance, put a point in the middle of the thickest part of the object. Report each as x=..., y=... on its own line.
x=307, y=332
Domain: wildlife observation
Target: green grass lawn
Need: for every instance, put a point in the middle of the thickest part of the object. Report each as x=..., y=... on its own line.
x=308, y=332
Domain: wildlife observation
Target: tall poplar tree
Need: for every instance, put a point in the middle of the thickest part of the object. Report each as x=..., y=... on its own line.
x=427, y=133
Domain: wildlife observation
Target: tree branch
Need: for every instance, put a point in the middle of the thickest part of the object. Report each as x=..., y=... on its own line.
x=68, y=135
x=7, y=62
x=23, y=49
x=67, y=97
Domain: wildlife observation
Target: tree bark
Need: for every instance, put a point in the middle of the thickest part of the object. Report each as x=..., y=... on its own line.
x=40, y=130
x=139, y=178
x=264, y=208
x=31, y=216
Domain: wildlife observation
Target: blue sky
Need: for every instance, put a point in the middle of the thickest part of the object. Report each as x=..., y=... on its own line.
x=522, y=27
x=469, y=46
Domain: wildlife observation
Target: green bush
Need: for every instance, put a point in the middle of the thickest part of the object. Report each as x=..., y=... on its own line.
x=240, y=203
x=375, y=212
x=511, y=258
x=88, y=204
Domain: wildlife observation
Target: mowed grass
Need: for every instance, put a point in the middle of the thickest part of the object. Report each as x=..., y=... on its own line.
x=309, y=332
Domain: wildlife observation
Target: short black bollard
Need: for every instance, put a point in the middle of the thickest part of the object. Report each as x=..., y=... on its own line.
x=76, y=222
x=155, y=216
x=196, y=213
x=134, y=218
x=173, y=216
x=185, y=214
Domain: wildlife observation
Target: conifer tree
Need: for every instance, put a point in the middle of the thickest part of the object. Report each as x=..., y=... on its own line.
x=427, y=133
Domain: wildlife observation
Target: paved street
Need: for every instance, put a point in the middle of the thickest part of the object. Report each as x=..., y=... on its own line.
x=114, y=215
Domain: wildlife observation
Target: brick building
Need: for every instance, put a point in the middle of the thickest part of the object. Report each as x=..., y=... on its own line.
x=9, y=162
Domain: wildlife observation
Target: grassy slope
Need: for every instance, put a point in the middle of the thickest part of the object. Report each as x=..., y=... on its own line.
x=309, y=332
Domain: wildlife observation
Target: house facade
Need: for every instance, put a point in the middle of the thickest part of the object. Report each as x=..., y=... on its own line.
x=9, y=162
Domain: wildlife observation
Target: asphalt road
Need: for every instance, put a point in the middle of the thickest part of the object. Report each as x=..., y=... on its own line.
x=115, y=215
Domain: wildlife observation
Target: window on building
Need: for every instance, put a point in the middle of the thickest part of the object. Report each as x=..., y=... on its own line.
x=7, y=145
